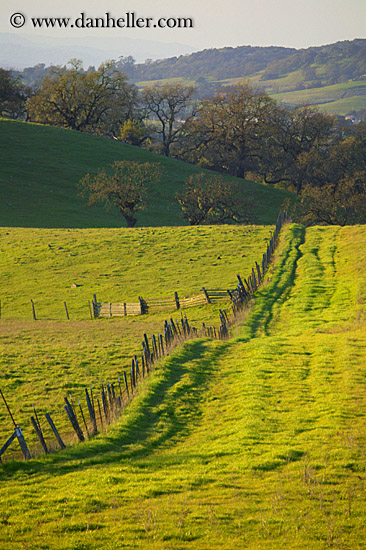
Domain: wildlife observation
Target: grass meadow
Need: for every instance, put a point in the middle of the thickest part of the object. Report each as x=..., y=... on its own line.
x=42, y=361
x=257, y=442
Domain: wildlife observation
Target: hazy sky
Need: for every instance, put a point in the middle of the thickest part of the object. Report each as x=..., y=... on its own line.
x=217, y=23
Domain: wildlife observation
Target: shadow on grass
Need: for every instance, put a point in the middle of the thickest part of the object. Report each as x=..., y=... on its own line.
x=278, y=289
x=164, y=412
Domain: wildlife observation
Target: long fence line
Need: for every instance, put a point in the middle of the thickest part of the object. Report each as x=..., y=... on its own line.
x=107, y=403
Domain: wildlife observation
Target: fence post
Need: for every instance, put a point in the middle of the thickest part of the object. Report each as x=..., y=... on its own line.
x=22, y=443
x=67, y=313
x=206, y=295
x=254, y=280
x=125, y=379
x=83, y=417
x=104, y=405
x=33, y=311
x=176, y=300
x=7, y=444
x=258, y=273
x=142, y=308
x=53, y=427
x=39, y=435
x=91, y=411
x=70, y=413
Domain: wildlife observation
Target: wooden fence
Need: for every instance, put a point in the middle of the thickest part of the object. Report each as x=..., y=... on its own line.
x=156, y=305
x=106, y=404
x=206, y=296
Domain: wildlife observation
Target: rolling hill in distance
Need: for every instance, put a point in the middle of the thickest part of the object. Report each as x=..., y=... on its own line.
x=42, y=165
x=332, y=76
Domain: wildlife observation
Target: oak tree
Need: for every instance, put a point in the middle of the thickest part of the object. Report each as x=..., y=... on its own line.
x=13, y=95
x=228, y=130
x=124, y=185
x=213, y=200
x=83, y=100
x=168, y=106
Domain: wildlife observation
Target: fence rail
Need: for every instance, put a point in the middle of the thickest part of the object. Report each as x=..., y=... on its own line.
x=164, y=304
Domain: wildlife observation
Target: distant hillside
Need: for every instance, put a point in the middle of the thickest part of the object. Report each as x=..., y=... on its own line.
x=329, y=64
x=213, y=63
x=274, y=70
x=41, y=166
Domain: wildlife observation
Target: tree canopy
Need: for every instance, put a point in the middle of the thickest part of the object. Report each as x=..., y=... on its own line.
x=13, y=95
x=96, y=100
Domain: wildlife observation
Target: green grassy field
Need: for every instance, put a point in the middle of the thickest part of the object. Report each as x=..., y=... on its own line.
x=338, y=99
x=117, y=265
x=41, y=166
x=257, y=442
x=325, y=94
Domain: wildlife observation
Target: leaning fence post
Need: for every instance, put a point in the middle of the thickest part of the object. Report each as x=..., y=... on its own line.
x=259, y=275
x=7, y=444
x=22, y=443
x=53, y=427
x=125, y=379
x=91, y=310
x=91, y=411
x=39, y=435
x=176, y=297
x=100, y=413
x=33, y=311
x=72, y=417
x=104, y=405
x=83, y=417
x=206, y=295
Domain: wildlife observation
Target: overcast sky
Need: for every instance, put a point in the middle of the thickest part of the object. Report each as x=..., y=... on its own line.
x=217, y=23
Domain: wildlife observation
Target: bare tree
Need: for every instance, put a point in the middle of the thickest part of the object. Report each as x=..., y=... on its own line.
x=168, y=104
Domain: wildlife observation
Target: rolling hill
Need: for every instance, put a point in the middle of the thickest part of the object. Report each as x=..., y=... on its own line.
x=331, y=76
x=313, y=75
x=41, y=166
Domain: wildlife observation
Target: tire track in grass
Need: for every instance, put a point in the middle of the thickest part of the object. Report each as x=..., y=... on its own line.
x=269, y=300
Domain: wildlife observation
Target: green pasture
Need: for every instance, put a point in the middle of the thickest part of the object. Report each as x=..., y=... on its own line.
x=257, y=442
x=118, y=265
x=338, y=99
x=42, y=165
x=345, y=106
x=325, y=94
x=42, y=361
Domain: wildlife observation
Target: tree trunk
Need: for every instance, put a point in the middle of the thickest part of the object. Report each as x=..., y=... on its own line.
x=130, y=218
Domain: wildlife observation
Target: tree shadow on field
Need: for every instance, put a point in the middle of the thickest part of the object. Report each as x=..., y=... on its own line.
x=165, y=412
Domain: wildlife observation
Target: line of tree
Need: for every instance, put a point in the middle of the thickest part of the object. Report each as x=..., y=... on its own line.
x=240, y=131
